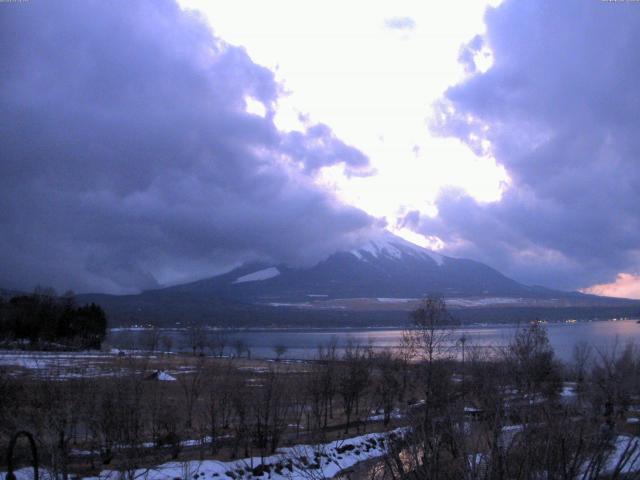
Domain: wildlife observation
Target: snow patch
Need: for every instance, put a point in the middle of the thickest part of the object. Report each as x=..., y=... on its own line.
x=165, y=377
x=624, y=457
x=264, y=274
x=568, y=390
x=161, y=376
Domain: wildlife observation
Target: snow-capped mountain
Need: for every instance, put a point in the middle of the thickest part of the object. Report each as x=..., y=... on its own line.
x=387, y=244
x=374, y=282
x=384, y=266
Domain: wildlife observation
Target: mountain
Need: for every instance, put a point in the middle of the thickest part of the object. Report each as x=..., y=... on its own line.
x=377, y=281
x=386, y=266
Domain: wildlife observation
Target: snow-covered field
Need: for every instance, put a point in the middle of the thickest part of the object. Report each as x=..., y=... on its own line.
x=58, y=364
x=483, y=301
x=64, y=365
x=411, y=303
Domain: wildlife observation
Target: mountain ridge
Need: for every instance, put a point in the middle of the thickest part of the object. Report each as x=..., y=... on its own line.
x=385, y=266
x=374, y=283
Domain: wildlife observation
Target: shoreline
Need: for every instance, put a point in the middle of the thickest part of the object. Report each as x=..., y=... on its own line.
x=347, y=328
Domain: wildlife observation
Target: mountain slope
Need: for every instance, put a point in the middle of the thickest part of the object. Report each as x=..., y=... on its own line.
x=378, y=281
x=386, y=266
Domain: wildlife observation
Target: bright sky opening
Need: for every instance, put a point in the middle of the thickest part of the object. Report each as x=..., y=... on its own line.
x=371, y=71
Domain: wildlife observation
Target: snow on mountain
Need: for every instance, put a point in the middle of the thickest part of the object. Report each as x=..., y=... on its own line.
x=263, y=274
x=382, y=265
x=390, y=245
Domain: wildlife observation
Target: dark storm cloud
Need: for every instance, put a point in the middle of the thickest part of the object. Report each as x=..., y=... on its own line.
x=560, y=107
x=127, y=156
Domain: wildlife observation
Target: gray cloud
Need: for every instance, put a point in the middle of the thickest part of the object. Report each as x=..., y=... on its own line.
x=559, y=107
x=128, y=159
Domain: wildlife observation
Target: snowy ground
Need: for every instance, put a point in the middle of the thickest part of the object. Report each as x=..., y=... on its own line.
x=319, y=461
x=291, y=463
x=58, y=364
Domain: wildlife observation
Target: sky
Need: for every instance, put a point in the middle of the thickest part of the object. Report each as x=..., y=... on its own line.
x=153, y=143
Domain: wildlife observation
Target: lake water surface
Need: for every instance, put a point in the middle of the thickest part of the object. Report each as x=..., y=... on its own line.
x=303, y=344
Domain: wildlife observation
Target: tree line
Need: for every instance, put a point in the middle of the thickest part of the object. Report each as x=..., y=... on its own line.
x=46, y=320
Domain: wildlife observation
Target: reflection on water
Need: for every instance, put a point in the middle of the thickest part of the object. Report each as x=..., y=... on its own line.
x=304, y=343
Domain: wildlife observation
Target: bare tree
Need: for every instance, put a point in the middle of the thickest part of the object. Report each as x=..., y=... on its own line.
x=219, y=342
x=582, y=356
x=429, y=338
x=269, y=411
x=352, y=381
x=298, y=399
x=614, y=381
x=241, y=422
x=240, y=347
x=167, y=343
x=196, y=337
x=279, y=350
x=387, y=383
x=222, y=383
x=192, y=385
x=153, y=339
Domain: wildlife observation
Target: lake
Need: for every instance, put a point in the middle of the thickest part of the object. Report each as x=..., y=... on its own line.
x=303, y=343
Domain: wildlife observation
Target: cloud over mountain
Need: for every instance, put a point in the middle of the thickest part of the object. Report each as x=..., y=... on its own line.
x=129, y=157
x=558, y=109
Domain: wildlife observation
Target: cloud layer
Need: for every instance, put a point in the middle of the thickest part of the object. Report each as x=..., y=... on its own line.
x=128, y=157
x=558, y=109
